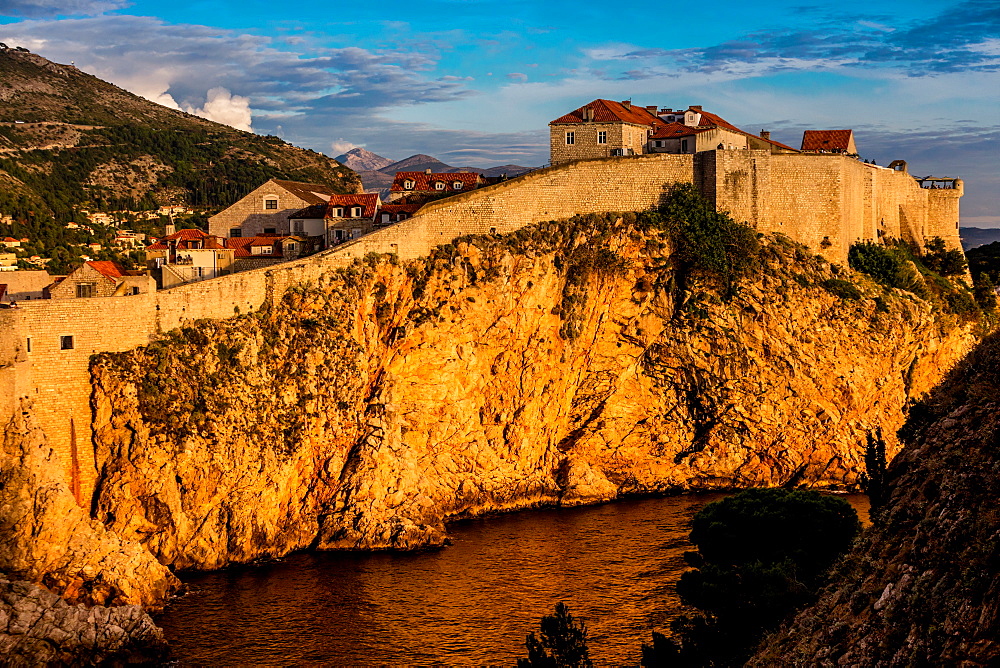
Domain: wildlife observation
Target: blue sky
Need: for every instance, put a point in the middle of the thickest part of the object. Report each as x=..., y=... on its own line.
x=474, y=82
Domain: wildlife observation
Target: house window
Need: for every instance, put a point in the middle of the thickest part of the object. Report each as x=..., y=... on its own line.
x=271, y=203
x=269, y=230
x=408, y=185
x=235, y=233
x=684, y=145
x=356, y=212
x=457, y=185
x=338, y=212
x=298, y=225
x=84, y=290
x=65, y=343
x=290, y=247
x=385, y=218
x=570, y=138
x=602, y=137
x=439, y=185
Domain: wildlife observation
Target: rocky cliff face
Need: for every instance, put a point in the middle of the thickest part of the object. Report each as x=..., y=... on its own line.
x=563, y=364
x=38, y=628
x=45, y=537
x=921, y=587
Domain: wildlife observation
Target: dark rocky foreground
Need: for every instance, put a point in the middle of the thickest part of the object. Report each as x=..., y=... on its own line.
x=39, y=628
x=921, y=588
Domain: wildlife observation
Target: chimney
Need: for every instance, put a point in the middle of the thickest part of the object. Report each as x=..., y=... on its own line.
x=651, y=108
x=696, y=107
x=764, y=134
x=588, y=113
x=427, y=171
x=627, y=104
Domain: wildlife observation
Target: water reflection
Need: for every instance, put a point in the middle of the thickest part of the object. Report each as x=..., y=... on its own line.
x=471, y=603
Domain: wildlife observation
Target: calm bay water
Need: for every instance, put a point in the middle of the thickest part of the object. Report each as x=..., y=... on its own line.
x=614, y=565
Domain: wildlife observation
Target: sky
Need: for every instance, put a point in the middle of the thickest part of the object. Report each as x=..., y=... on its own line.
x=475, y=82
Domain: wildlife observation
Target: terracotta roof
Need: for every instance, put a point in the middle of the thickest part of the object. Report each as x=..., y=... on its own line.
x=313, y=193
x=188, y=240
x=311, y=211
x=424, y=181
x=711, y=120
x=242, y=244
x=186, y=234
x=369, y=201
x=609, y=111
x=108, y=269
x=8, y=239
x=673, y=130
x=826, y=140
x=401, y=208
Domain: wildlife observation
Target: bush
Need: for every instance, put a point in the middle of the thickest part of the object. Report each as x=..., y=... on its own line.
x=841, y=288
x=761, y=554
x=707, y=240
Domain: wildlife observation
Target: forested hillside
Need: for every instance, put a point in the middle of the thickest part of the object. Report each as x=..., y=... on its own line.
x=70, y=142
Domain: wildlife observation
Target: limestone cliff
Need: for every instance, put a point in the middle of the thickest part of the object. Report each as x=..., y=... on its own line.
x=45, y=537
x=566, y=363
x=921, y=587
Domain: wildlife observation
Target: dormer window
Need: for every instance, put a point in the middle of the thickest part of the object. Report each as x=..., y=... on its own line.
x=408, y=184
x=457, y=185
x=338, y=212
x=271, y=203
x=439, y=185
x=356, y=212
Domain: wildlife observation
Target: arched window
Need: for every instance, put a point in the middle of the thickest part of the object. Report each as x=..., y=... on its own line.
x=439, y=185
x=408, y=184
x=457, y=185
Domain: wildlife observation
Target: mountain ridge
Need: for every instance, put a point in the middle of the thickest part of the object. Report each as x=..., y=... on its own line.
x=71, y=141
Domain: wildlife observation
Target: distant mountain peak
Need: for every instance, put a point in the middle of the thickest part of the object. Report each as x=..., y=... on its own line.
x=362, y=160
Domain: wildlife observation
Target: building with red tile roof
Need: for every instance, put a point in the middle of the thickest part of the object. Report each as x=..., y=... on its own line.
x=100, y=278
x=829, y=141
x=426, y=185
x=395, y=212
x=188, y=255
x=268, y=208
x=604, y=128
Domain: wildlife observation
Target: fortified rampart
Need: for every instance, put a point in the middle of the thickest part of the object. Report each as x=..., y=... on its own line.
x=824, y=201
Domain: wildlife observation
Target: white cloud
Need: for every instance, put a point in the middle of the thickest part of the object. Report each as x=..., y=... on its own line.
x=224, y=107
x=341, y=145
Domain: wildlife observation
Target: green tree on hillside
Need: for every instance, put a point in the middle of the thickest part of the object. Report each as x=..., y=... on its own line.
x=761, y=554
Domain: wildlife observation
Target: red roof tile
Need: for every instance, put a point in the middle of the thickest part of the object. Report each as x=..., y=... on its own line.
x=186, y=234
x=242, y=245
x=609, y=111
x=425, y=182
x=369, y=201
x=674, y=130
x=401, y=208
x=108, y=269
x=826, y=140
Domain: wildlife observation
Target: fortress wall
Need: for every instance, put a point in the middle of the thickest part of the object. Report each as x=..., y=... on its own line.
x=806, y=197
x=588, y=186
x=942, y=214
x=59, y=380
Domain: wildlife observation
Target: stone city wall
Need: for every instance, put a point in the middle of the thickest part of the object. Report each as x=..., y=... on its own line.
x=824, y=201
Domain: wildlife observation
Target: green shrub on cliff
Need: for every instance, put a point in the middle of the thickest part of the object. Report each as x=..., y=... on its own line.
x=762, y=553
x=707, y=240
